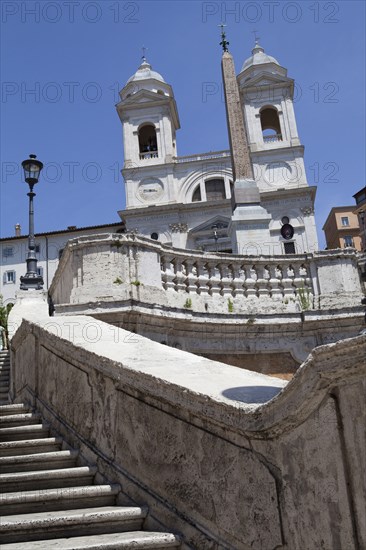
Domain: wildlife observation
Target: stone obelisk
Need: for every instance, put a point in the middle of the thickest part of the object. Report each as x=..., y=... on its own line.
x=249, y=221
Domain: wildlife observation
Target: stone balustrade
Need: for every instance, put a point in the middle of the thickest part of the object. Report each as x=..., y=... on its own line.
x=202, y=156
x=274, y=278
x=120, y=267
x=149, y=155
x=273, y=138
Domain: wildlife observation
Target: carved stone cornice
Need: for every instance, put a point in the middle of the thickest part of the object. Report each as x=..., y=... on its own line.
x=178, y=227
x=307, y=210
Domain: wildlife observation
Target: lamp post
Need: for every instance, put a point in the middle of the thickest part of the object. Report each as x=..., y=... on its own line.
x=31, y=280
x=215, y=228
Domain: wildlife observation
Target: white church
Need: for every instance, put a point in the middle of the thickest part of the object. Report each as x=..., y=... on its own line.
x=187, y=201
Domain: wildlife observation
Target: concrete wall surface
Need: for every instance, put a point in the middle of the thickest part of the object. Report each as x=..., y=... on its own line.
x=228, y=458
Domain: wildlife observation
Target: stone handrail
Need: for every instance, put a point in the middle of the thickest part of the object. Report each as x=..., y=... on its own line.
x=219, y=454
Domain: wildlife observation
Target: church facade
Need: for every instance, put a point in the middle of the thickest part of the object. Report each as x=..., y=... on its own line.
x=188, y=201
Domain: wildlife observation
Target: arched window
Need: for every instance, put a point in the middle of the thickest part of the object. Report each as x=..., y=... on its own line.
x=270, y=122
x=196, y=197
x=147, y=142
x=215, y=189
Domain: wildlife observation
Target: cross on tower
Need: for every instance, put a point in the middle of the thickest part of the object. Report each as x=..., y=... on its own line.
x=143, y=53
x=256, y=38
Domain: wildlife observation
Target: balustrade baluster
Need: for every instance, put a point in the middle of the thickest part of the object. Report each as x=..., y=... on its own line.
x=262, y=281
x=214, y=281
x=191, y=280
x=238, y=280
x=226, y=279
x=275, y=281
x=250, y=281
x=180, y=275
x=169, y=274
x=287, y=280
x=203, y=279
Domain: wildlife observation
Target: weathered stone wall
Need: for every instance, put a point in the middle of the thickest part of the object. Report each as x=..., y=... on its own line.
x=203, y=443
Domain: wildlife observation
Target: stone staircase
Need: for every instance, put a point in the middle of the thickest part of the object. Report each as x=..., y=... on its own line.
x=4, y=376
x=49, y=498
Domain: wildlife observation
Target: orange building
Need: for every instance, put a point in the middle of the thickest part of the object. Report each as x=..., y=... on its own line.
x=342, y=228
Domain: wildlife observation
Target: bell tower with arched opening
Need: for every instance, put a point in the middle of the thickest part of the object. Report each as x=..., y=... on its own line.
x=267, y=96
x=149, y=117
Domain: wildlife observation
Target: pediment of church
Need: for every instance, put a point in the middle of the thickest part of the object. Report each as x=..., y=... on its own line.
x=221, y=222
x=146, y=96
x=265, y=79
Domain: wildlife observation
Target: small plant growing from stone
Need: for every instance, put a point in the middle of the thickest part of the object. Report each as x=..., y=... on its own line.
x=117, y=244
x=188, y=303
x=230, y=305
x=251, y=321
x=117, y=281
x=136, y=283
x=304, y=298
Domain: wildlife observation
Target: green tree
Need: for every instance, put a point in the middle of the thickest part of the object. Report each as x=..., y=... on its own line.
x=4, y=314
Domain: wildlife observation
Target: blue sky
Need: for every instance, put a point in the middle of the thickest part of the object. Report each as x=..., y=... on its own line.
x=76, y=55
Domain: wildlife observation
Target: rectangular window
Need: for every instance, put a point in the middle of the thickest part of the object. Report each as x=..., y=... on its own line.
x=345, y=221
x=38, y=248
x=9, y=277
x=8, y=252
x=289, y=248
x=215, y=189
x=40, y=271
x=348, y=241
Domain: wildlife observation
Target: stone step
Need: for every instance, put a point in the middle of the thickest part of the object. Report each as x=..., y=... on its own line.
x=20, y=419
x=14, y=408
x=38, y=461
x=47, y=479
x=67, y=498
x=136, y=540
x=17, y=433
x=85, y=521
x=4, y=402
x=30, y=446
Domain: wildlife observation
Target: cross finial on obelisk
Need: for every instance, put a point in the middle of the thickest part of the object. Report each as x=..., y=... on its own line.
x=224, y=43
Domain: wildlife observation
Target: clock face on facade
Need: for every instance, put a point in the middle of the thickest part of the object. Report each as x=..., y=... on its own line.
x=150, y=190
x=278, y=173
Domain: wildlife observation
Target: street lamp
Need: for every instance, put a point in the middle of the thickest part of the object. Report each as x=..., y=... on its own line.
x=215, y=228
x=31, y=280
